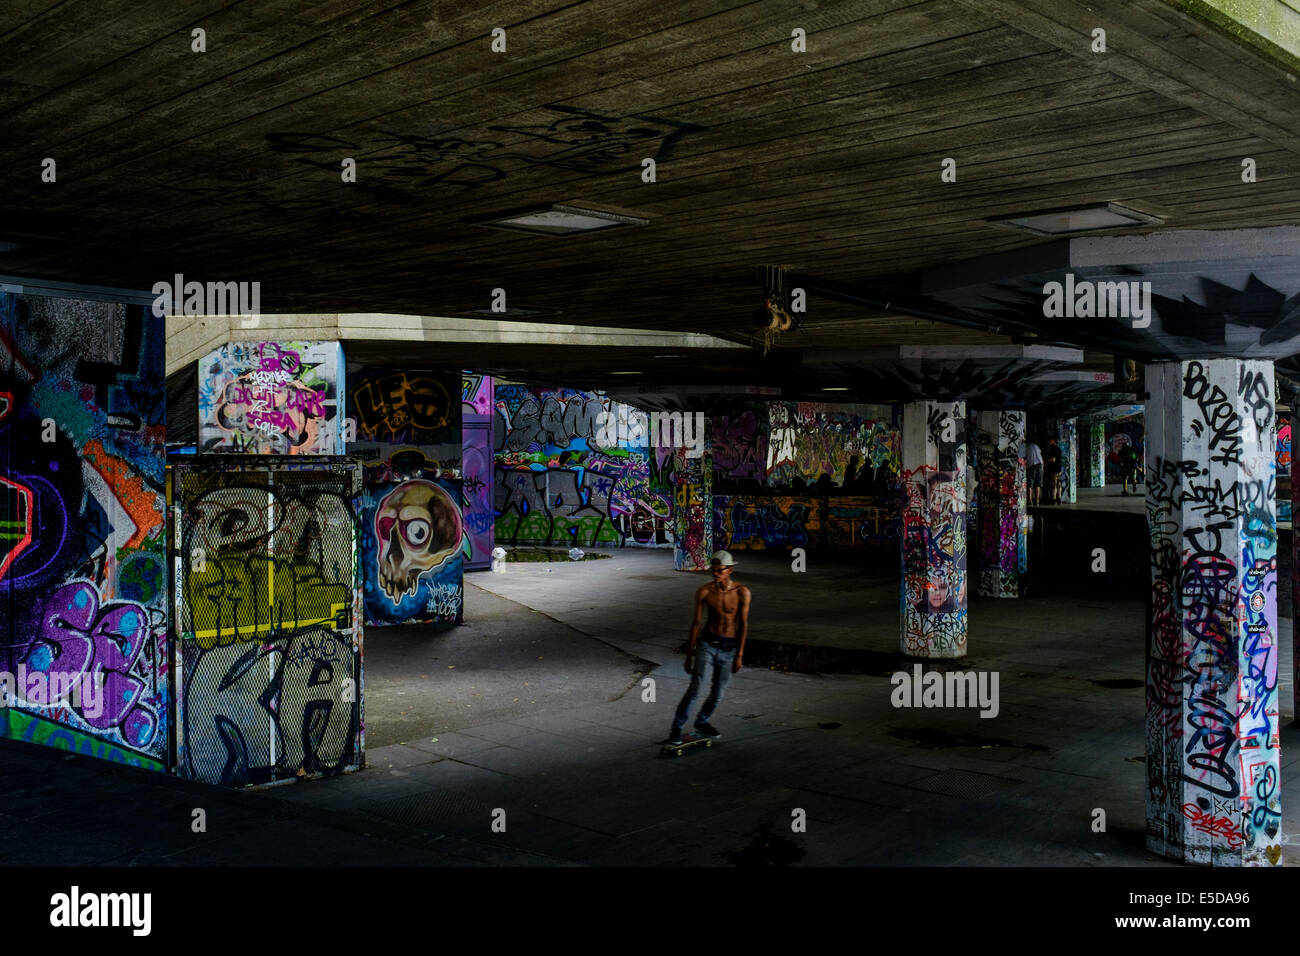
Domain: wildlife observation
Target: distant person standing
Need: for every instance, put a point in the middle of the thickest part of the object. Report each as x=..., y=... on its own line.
x=1034, y=470
x=721, y=645
x=1052, y=471
x=1128, y=467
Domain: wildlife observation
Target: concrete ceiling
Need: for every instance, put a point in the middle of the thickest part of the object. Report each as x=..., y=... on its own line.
x=225, y=165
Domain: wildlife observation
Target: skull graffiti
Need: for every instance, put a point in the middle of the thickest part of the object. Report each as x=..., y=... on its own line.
x=418, y=528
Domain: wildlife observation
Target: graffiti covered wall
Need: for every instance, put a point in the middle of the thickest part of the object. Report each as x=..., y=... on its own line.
x=771, y=455
x=272, y=398
x=807, y=440
x=1125, y=432
x=268, y=618
x=740, y=445
x=82, y=542
x=839, y=523
x=413, y=535
x=558, y=483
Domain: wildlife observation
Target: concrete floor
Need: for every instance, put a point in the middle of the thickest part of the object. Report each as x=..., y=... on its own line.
x=536, y=708
x=1109, y=498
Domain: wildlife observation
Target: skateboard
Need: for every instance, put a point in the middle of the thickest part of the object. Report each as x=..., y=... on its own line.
x=688, y=741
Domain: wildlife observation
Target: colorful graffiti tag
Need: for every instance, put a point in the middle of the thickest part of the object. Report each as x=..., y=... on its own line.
x=269, y=622
x=271, y=398
x=783, y=522
x=754, y=522
x=396, y=406
x=476, y=394
x=1284, y=443
x=558, y=483
x=82, y=535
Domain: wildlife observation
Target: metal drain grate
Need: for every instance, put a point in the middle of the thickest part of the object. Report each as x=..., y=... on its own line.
x=431, y=809
x=963, y=783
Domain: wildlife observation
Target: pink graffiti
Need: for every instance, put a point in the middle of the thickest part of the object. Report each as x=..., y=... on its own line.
x=272, y=358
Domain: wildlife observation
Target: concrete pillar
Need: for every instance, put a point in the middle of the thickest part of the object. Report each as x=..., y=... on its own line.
x=1066, y=432
x=1213, y=783
x=934, y=530
x=1092, y=462
x=1002, y=544
x=693, y=514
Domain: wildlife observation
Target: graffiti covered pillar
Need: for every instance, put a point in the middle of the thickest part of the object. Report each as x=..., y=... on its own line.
x=414, y=537
x=268, y=621
x=692, y=478
x=934, y=530
x=1092, y=466
x=1295, y=553
x=1066, y=432
x=1213, y=782
x=476, y=469
x=272, y=398
x=1002, y=546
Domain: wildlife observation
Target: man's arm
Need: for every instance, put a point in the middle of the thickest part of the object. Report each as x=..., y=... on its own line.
x=695, y=629
x=744, y=630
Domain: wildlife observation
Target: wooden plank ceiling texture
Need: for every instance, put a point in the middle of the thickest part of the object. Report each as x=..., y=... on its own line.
x=225, y=165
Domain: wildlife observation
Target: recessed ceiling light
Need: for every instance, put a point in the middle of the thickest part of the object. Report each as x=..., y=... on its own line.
x=558, y=219
x=1071, y=219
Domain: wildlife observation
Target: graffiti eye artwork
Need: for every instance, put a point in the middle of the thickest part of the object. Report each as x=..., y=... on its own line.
x=416, y=532
x=419, y=528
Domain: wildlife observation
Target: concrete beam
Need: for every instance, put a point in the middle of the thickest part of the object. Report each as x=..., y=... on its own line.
x=191, y=337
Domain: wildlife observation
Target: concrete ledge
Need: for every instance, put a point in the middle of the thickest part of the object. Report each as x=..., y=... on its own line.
x=1271, y=27
x=189, y=338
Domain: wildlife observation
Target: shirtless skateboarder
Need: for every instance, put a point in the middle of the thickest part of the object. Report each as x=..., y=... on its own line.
x=721, y=645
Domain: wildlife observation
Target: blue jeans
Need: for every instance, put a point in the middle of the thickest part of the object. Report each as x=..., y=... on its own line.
x=706, y=656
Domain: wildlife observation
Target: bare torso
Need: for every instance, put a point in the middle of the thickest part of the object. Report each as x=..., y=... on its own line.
x=724, y=607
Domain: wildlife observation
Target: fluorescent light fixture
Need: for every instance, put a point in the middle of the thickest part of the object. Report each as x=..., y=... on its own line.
x=558, y=219
x=835, y=388
x=1069, y=220
x=624, y=373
